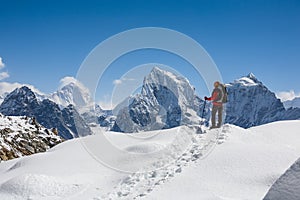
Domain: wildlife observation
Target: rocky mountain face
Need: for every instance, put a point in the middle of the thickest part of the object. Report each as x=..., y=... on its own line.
x=251, y=104
x=23, y=102
x=166, y=100
x=20, y=136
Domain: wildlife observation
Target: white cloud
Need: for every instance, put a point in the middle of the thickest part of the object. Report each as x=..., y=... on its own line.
x=117, y=82
x=8, y=87
x=1, y=63
x=68, y=80
x=3, y=75
x=120, y=81
x=287, y=95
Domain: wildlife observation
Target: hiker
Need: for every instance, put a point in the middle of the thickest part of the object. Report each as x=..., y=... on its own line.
x=218, y=98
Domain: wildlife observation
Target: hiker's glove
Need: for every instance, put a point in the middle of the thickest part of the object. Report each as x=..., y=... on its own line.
x=205, y=98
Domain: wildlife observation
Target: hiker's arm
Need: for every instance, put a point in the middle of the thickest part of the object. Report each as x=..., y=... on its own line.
x=214, y=96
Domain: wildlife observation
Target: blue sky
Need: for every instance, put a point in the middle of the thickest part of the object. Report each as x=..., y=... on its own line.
x=43, y=41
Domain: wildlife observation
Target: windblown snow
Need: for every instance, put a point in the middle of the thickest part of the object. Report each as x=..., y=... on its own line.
x=177, y=163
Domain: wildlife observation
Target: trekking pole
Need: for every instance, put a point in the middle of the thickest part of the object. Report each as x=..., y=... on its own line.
x=203, y=109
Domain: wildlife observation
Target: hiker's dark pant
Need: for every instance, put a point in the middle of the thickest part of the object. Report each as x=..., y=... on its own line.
x=214, y=111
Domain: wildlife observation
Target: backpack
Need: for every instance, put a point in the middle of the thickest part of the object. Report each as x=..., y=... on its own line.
x=222, y=94
x=225, y=93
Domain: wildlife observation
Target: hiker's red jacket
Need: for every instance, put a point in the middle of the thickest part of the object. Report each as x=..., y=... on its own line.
x=214, y=97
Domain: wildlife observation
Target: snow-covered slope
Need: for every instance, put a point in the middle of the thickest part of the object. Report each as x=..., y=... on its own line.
x=251, y=103
x=21, y=136
x=243, y=165
x=295, y=103
x=166, y=100
x=287, y=186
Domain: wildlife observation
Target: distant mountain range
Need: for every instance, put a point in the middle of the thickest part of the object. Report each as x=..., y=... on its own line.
x=166, y=100
x=24, y=102
x=295, y=103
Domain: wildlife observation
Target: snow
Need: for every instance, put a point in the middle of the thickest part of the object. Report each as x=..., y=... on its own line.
x=287, y=186
x=245, y=165
x=20, y=134
x=249, y=80
x=227, y=163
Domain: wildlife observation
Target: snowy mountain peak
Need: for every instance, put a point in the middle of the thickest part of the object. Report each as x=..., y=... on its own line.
x=162, y=76
x=24, y=91
x=22, y=99
x=251, y=76
x=72, y=92
x=179, y=86
x=251, y=103
x=167, y=100
x=249, y=80
x=6, y=88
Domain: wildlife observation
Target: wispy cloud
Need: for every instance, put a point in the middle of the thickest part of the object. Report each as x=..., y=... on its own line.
x=3, y=75
x=2, y=65
x=122, y=80
x=117, y=82
x=287, y=95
